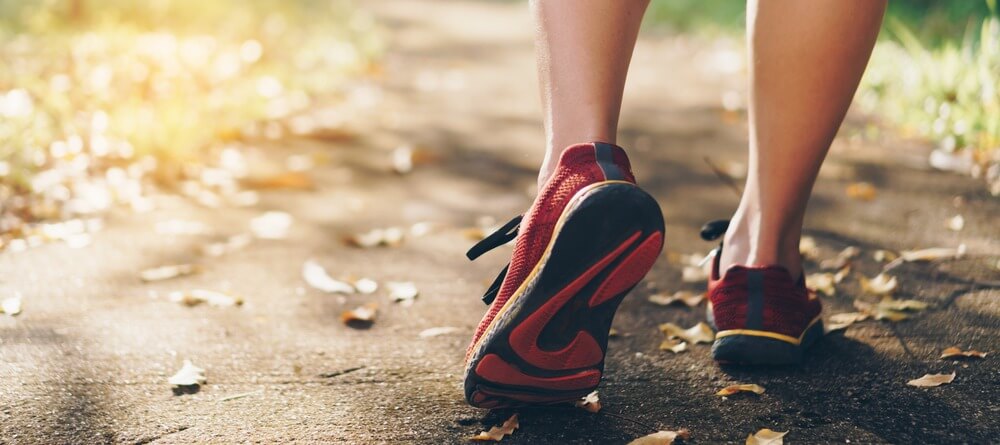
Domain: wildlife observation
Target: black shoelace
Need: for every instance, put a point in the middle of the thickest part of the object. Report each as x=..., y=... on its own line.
x=714, y=230
x=501, y=236
x=711, y=231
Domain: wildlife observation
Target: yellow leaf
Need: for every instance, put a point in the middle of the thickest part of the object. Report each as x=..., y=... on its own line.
x=932, y=380
x=699, y=333
x=497, y=433
x=934, y=253
x=842, y=321
x=902, y=305
x=673, y=345
x=842, y=273
x=842, y=259
x=882, y=284
x=733, y=389
x=884, y=255
x=822, y=282
x=662, y=437
x=766, y=437
x=808, y=247
x=590, y=403
x=955, y=352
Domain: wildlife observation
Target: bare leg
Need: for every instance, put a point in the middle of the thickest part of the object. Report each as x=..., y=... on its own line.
x=583, y=49
x=806, y=61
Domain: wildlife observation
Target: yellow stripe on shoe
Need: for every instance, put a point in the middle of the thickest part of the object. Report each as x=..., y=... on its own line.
x=768, y=334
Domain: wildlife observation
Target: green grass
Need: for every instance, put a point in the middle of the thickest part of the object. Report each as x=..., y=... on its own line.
x=949, y=93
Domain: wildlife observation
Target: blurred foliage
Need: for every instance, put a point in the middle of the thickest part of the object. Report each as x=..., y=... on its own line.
x=949, y=93
x=936, y=21
x=935, y=72
x=88, y=82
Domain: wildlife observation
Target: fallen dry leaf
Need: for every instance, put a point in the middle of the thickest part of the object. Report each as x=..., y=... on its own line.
x=699, y=333
x=188, y=375
x=360, y=316
x=689, y=298
x=881, y=285
x=862, y=191
x=316, y=276
x=884, y=255
x=890, y=309
x=662, y=437
x=823, y=283
x=955, y=352
x=842, y=259
x=808, y=247
x=956, y=223
x=167, y=272
x=271, y=225
x=199, y=296
x=674, y=345
x=902, y=305
x=391, y=237
x=842, y=274
x=766, y=437
x=934, y=253
x=734, y=389
x=842, y=321
x=434, y=332
x=365, y=286
x=403, y=292
x=497, y=433
x=11, y=305
x=932, y=380
x=590, y=403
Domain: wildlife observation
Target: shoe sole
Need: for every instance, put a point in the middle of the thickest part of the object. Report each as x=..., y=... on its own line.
x=750, y=347
x=547, y=343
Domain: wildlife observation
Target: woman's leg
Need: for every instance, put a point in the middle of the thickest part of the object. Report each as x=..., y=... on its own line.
x=583, y=49
x=806, y=58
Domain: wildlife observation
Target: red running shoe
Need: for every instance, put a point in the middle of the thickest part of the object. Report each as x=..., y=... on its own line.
x=589, y=237
x=762, y=316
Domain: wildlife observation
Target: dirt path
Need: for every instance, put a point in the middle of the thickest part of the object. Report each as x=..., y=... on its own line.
x=88, y=359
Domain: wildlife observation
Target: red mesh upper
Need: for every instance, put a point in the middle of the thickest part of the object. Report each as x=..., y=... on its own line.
x=787, y=307
x=577, y=169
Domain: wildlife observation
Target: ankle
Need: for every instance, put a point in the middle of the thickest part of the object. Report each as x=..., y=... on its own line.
x=747, y=245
